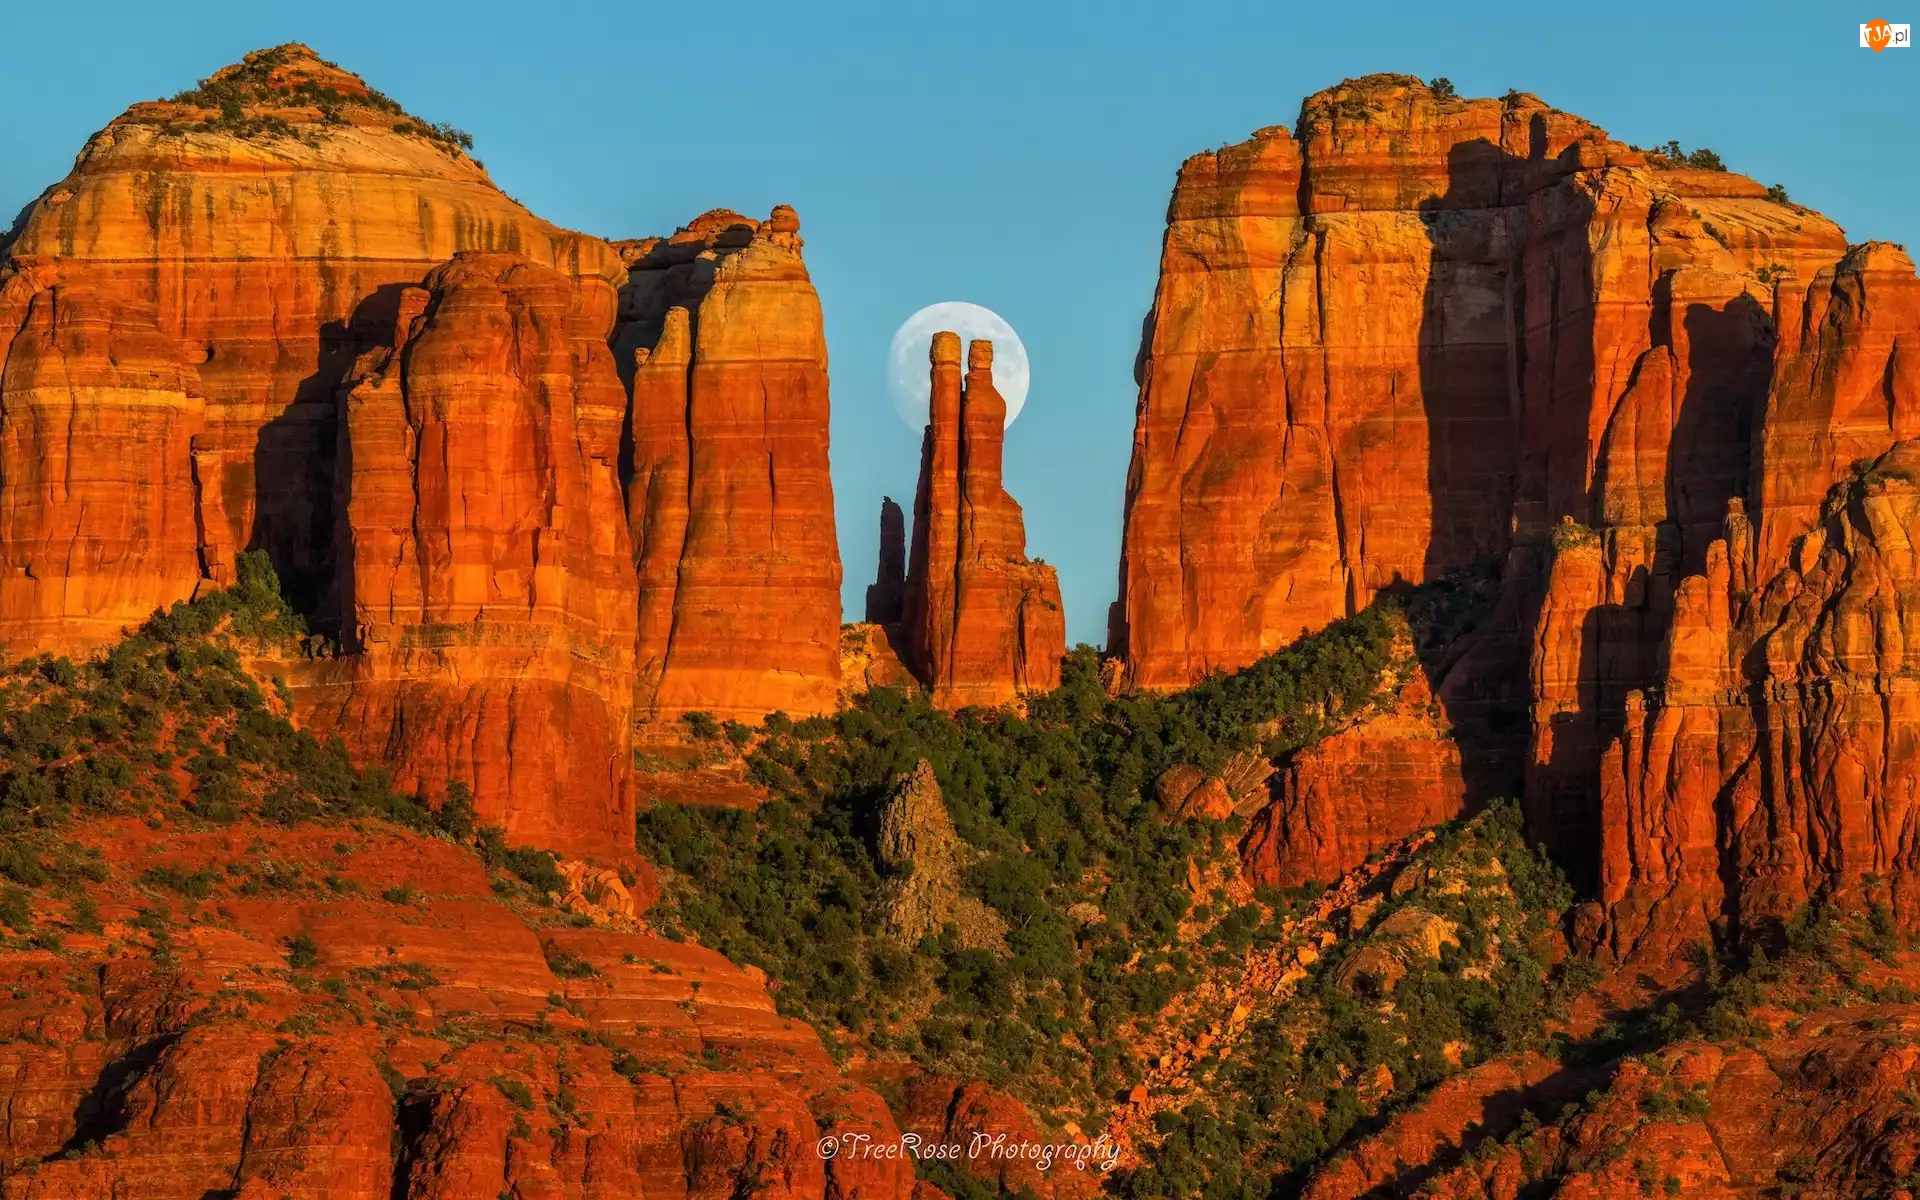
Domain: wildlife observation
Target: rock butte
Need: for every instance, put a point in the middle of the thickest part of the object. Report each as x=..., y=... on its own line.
x=730, y=503
x=1667, y=407
x=981, y=622
x=527, y=485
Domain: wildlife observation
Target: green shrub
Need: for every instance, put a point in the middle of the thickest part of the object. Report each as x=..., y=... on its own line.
x=302, y=951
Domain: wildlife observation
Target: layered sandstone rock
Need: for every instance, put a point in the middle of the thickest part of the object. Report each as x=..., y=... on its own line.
x=1775, y=765
x=1388, y=345
x=657, y=1069
x=1351, y=795
x=255, y=217
x=1769, y=762
x=982, y=623
x=99, y=421
x=729, y=500
x=490, y=629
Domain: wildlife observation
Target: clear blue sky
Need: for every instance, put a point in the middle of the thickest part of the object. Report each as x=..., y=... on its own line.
x=1017, y=155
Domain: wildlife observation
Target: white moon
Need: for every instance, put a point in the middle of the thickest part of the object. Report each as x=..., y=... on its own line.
x=907, y=380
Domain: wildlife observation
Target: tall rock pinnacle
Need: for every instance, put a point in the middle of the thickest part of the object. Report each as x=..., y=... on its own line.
x=983, y=623
x=888, y=589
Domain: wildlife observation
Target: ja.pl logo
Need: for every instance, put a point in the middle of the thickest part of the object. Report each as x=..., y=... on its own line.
x=1884, y=35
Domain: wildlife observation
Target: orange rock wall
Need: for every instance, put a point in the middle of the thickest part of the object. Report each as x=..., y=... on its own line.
x=1353, y=794
x=730, y=501
x=492, y=597
x=254, y=254
x=1389, y=343
x=1774, y=763
x=314, y=327
x=99, y=421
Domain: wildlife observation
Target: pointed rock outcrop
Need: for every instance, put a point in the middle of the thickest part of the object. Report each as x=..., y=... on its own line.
x=887, y=592
x=982, y=623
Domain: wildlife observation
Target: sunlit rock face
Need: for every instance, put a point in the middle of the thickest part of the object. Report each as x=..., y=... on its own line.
x=266, y=241
x=1419, y=334
x=982, y=623
x=729, y=496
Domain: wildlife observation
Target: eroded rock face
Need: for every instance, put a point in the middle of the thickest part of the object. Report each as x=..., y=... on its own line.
x=1411, y=335
x=492, y=602
x=729, y=500
x=1771, y=764
x=1776, y=765
x=1353, y=794
x=916, y=841
x=982, y=623
x=255, y=237
x=99, y=422
x=660, y=1069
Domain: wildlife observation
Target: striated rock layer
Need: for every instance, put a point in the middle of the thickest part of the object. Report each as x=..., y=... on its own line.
x=100, y=417
x=981, y=623
x=1774, y=764
x=1398, y=342
x=510, y=1056
x=1420, y=335
x=254, y=218
x=1353, y=794
x=277, y=312
x=729, y=498
x=492, y=600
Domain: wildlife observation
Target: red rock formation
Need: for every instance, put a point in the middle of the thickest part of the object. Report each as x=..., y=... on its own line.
x=1351, y=795
x=99, y=417
x=886, y=593
x=492, y=601
x=1846, y=386
x=253, y=218
x=730, y=504
x=1772, y=765
x=982, y=623
x=658, y=1069
x=984, y=1127
x=1383, y=347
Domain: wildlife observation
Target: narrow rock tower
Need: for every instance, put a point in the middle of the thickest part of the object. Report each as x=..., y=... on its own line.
x=982, y=623
x=885, y=593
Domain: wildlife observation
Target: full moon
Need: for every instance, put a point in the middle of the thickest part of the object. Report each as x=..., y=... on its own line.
x=907, y=380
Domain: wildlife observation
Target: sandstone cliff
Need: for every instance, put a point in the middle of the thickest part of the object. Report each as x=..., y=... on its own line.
x=729, y=500
x=100, y=416
x=982, y=623
x=1393, y=343
x=1419, y=334
x=491, y=598
x=278, y=312
x=253, y=217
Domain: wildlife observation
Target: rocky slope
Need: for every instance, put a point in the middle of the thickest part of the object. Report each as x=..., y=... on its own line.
x=981, y=623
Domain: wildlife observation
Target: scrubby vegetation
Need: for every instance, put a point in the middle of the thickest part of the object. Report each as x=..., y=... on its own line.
x=170, y=725
x=254, y=83
x=1071, y=853
x=1671, y=156
x=1356, y=1041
